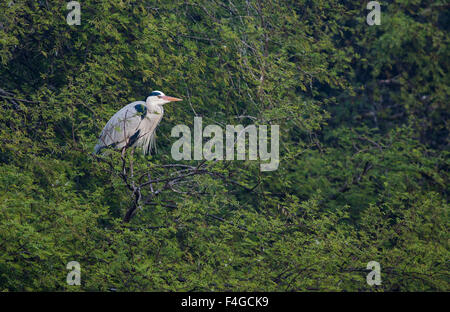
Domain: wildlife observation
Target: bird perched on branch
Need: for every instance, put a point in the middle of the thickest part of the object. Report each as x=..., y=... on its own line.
x=134, y=125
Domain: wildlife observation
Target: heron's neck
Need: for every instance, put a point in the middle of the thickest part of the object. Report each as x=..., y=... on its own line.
x=154, y=108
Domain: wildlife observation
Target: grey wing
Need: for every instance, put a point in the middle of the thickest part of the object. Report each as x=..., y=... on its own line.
x=121, y=127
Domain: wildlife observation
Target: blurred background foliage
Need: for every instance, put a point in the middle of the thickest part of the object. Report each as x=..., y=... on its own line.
x=363, y=114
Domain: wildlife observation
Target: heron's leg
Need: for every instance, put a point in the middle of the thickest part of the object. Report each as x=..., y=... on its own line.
x=131, y=162
x=123, y=154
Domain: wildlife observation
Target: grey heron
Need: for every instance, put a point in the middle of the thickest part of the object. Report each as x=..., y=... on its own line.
x=134, y=125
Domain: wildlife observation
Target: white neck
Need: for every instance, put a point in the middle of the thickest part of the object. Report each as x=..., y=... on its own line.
x=154, y=108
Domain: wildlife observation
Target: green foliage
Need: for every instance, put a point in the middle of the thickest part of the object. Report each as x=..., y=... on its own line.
x=363, y=175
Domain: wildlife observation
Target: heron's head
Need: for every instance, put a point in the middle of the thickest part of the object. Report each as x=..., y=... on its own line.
x=159, y=98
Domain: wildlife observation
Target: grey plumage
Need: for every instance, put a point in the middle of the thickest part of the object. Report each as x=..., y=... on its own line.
x=134, y=125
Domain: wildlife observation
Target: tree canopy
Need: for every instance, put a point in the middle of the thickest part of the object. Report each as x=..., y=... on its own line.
x=363, y=173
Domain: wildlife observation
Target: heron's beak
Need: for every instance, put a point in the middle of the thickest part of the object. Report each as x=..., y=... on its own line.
x=171, y=99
